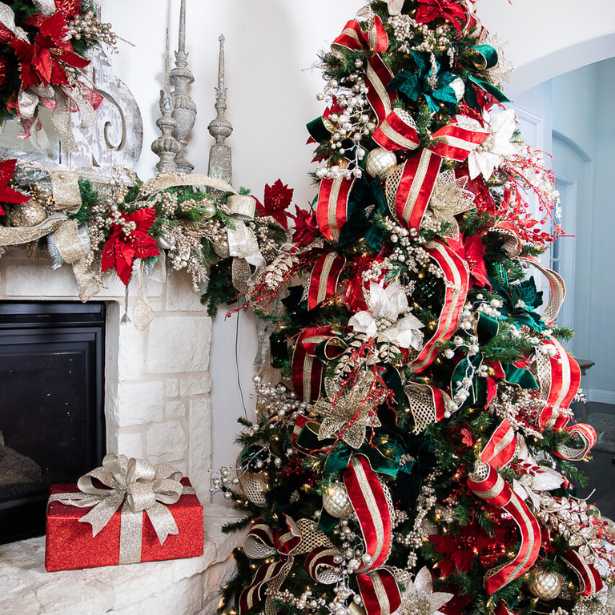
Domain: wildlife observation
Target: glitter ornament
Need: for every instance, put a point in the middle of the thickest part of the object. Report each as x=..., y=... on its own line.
x=380, y=162
x=545, y=585
x=29, y=214
x=336, y=501
x=209, y=210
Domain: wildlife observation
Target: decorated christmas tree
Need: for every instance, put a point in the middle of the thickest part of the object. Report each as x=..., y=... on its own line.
x=415, y=455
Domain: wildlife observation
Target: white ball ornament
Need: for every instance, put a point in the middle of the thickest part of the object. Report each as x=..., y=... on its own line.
x=336, y=501
x=545, y=585
x=380, y=162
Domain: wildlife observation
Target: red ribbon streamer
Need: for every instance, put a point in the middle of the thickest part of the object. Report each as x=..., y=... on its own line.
x=306, y=367
x=457, y=279
x=456, y=143
x=589, y=578
x=501, y=446
x=397, y=132
x=324, y=278
x=380, y=592
x=373, y=510
x=332, y=208
x=378, y=76
x=488, y=485
x=354, y=38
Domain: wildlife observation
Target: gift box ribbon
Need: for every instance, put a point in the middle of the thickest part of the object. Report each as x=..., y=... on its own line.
x=136, y=486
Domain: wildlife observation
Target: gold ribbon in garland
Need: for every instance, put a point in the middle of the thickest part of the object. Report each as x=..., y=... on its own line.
x=135, y=485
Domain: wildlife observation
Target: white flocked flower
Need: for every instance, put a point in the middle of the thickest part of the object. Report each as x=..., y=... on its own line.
x=383, y=323
x=498, y=146
x=419, y=596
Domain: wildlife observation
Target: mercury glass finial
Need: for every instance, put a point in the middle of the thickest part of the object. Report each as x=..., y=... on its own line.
x=220, y=160
x=184, y=109
x=166, y=147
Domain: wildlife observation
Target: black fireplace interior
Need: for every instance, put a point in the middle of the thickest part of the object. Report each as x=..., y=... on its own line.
x=51, y=405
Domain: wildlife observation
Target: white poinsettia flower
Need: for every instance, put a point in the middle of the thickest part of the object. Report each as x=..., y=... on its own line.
x=383, y=323
x=497, y=147
x=419, y=596
x=534, y=478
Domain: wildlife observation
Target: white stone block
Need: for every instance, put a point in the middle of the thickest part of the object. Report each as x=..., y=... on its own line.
x=130, y=444
x=131, y=352
x=167, y=442
x=40, y=280
x=172, y=387
x=181, y=296
x=177, y=344
x=194, y=384
x=139, y=403
x=200, y=449
x=174, y=409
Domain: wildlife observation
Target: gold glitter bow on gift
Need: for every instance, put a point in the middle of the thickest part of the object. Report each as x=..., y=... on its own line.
x=135, y=485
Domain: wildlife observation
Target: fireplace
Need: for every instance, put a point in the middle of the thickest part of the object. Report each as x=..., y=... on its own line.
x=52, y=427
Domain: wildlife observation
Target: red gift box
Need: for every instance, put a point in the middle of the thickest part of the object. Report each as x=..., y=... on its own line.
x=70, y=544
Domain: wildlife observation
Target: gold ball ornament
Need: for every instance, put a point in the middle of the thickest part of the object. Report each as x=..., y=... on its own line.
x=545, y=585
x=380, y=162
x=209, y=210
x=337, y=502
x=29, y=214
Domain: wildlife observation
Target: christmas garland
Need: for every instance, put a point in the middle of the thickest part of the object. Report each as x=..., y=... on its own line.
x=107, y=226
x=415, y=454
x=43, y=46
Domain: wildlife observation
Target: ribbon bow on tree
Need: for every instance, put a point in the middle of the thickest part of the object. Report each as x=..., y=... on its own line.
x=136, y=486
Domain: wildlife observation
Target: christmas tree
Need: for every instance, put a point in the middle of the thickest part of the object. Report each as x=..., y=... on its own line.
x=416, y=455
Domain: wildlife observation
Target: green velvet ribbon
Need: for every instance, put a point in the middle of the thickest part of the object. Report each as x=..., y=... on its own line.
x=488, y=56
x=318, y=130
x=490, y=88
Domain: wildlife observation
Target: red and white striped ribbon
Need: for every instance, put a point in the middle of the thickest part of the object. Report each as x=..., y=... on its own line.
x=558, y=386
x=306, y=367
x=455, y=143
x=457, y=278
x=380, y=592
x=487, y=484
x=501, y=447
x=332, y=208
x=377, y=77
x=397, y=132
x=353, y=37
x=373, y=508
x=590, y=581
x=324, y=277
x=583, y=432
x=412, y=186
x=428, y=404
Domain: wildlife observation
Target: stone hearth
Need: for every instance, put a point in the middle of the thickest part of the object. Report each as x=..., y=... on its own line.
x=157, y=407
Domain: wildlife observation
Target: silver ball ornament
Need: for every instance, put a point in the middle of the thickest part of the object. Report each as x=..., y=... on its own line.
x=380, y=162
x=545, y=585
x=336, y=501
x=209, y=211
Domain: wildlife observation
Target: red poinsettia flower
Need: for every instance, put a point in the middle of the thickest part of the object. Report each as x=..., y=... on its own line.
x=7, y=194
x=306, y=227
x=70, y=8
x=449, y=10
x=41, y=62
x=121, y=250
x=459, y=551
x=472, y=250
x=277, y=200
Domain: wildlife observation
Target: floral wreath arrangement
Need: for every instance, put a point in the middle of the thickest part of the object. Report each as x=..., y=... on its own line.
x=43, y=44
x=416, y=454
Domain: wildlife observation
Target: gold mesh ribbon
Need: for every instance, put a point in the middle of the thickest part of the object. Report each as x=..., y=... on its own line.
x=135, y=485
x=65, y=186
x=170, y=180
x=16, y=235
x=242, y=205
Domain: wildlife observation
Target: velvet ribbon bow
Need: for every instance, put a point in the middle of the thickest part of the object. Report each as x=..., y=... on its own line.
x=136, y=486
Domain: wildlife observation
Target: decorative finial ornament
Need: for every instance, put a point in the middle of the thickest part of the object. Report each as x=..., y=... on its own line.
x=220, y=162
x=184, y=109
x=166, y=147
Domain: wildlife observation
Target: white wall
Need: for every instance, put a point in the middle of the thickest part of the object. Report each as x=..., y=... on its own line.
x=271, y=47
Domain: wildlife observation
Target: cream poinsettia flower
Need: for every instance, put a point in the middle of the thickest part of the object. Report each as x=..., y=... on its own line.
x=419, y=596
x=498, y=146
x=383, y=323
x=535, y=478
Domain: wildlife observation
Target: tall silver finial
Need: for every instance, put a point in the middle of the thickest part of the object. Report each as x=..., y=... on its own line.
x=184, y=109
x=220, y=161
x=166, y=147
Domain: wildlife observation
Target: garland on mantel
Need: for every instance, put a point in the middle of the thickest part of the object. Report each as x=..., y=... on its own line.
x=107, y=226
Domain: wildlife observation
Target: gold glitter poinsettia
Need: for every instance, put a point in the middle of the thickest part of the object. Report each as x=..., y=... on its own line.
x=449, y=199
x=348, y=415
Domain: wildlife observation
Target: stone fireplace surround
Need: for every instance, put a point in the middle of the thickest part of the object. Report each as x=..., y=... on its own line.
x=157, y=407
